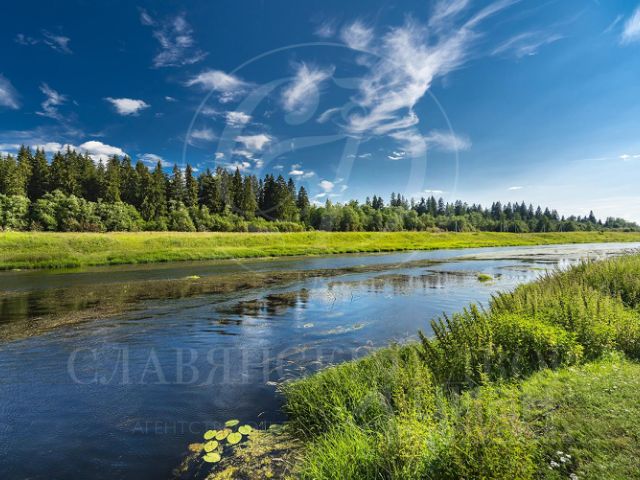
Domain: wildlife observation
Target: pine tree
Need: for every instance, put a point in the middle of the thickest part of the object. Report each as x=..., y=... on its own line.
x=191, y=188
x=176, y=185
x=303, y=205
x=249, y=204
x=112, y=181
x=39, y=181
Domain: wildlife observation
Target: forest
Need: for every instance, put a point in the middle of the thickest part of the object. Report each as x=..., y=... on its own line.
x=73, y=193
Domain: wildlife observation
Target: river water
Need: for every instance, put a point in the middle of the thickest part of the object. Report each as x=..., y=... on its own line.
x=88, y=390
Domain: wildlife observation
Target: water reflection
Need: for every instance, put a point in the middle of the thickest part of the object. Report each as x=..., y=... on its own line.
x=122, y=397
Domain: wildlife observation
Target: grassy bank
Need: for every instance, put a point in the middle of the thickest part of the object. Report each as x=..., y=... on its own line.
x=60, y=250
x=542, y=384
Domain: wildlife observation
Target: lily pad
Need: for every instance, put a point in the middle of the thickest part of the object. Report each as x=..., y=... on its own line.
x=234, y=438
x=209, y=434
x=212, y=457
x=231, y=423
x=210, y=446
x=245, y=429
x=222, y=434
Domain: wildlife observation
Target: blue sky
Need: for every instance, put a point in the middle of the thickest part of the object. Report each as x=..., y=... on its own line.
x=496, y=100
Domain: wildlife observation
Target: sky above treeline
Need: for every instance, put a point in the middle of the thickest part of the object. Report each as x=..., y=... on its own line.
x=476, y=100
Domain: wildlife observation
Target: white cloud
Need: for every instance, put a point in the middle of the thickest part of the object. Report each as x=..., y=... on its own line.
x=446, y=10
x=517, y=187
x=175, y=36
x=227, y=86
x=59, y=43
x=219, y=155
x=51, y=103
x=304, y=89
x=326, y=185
x=526, y=44
x=205, y=134
x=254, y=142
x=631, y=31
x=397, y=155
x=239, y=152
x=100, y=151
x=128, y=106
x=357, y=35
x=8, y=94
x=409, y=60
x=626, y=156
x=236, y=119
x=326, y=29
x=170, y=99
x=447, y=141
x=153, y=159
x=297, y=171
x=238, y=165
x=434, y=192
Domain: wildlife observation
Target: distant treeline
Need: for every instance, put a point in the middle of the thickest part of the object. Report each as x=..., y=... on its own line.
x=74, y=193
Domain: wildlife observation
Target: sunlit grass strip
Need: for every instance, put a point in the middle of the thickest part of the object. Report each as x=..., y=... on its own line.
x=63, y=250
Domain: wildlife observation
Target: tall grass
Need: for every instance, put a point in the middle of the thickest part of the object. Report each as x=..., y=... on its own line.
x=451, y=406
x=62, y=250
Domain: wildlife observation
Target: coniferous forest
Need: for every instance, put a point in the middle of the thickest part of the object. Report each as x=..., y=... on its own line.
x=71, y=192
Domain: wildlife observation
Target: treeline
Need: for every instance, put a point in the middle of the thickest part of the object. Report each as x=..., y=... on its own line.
x=73, y=193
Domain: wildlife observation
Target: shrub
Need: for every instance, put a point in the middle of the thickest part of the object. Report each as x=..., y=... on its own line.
x=366, y=392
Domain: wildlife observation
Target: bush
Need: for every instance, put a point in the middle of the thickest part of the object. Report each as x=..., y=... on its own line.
x=366, y=392
x=14, y=212
x=474, y=347
x=490, y=440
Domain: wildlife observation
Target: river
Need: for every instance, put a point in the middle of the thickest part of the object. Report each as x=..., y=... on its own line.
x=111, y=372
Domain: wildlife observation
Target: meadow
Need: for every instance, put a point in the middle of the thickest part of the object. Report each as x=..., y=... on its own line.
x=541, y=384
x=26, y=250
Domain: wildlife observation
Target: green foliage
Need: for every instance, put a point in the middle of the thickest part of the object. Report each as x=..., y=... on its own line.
x=155, y=196
x=500, y=393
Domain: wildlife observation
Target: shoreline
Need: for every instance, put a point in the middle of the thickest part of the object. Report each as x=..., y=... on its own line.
x=44, y=250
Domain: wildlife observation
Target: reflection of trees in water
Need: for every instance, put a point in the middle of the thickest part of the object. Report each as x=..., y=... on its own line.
x=399, y=284
x=274, y=304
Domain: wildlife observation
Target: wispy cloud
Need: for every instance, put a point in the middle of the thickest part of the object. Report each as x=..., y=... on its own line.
x=304, y=89
x=526, y=44
x=175, y=36
x=625, y=157
x=57, y=42
x=51, y=103
x=326, y=29
x=128, y=106
x=357, y=35
x=447, y=141
x=631, y=31
x=517, y=187
x=229, y=87
x=8, y=94
x=410, y=58
x=203, y=134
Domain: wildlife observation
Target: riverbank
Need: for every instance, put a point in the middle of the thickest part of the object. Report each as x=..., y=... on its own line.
x=32, y=250
x=542, y=384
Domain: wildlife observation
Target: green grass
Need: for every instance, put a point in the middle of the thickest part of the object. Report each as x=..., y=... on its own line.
x=541, y=385
x=63, y=250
